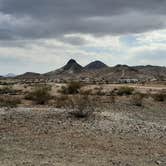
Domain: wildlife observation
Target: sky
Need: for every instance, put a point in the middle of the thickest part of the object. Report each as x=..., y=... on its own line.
x=42, y=35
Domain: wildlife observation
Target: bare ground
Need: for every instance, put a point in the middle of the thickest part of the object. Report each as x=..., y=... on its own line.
x=121, y=135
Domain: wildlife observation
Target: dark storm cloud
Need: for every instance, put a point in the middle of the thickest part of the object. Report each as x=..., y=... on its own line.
x=55, y=18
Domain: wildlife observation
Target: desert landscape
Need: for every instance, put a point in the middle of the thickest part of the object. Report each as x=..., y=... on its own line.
x=48, y=121
x=82, y=82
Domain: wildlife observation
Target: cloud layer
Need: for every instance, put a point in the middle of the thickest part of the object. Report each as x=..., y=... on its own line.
x=37, y=33
x=54, y=18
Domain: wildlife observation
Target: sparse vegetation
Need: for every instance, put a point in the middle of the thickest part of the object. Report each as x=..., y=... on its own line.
x=112, y=98
x=40, y=94
x=125, y=90
x=159, y=97
x=86, y=92
x=61, y=101
x=8, y=90
x=81, y=106
x=71, y=88
x=9, y=101
x=137, y=99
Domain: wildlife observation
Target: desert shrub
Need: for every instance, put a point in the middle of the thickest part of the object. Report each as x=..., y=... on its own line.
x=137, y=99
x=81, y=106
x=8, y=90
x=86, y=92
x=9, y=101
x=40, y=94
x=125, y=90
x=61, y=101
x=159, y=97
x=100, y=93
x=71, y=88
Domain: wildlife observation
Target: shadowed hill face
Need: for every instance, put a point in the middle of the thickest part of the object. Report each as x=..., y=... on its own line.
x=95, y=65
x=72, y=66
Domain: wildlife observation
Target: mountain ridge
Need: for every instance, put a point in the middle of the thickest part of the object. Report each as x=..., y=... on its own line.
x=74, y=71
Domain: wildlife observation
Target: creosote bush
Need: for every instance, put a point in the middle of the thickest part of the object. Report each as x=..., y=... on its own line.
x=81, y=106
x=40, y=94
x=125, y=90
x=71, y=88
x=9, y=101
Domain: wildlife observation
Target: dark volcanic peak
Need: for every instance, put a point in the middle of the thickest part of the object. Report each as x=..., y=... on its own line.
x=95, y=65
x=72, y=66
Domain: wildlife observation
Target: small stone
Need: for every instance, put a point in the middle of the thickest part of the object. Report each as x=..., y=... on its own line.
x=158, y=162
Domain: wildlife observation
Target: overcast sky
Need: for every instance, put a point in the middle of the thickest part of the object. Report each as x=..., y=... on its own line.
x=42, y=35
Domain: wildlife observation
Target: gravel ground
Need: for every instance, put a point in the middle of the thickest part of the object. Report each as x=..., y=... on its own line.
x=114, y=137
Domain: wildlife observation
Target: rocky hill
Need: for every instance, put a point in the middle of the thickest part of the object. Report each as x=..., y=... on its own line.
x=96, y=65
x=29, y=75
x=71, y=68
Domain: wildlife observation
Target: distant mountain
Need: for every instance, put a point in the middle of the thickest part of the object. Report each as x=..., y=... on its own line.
x=29, y=75
x=98, y=71
x=95, y=65
x=72, y=67
x=10, y=75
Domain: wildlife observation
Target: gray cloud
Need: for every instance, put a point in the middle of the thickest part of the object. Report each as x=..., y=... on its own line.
x=24, y=19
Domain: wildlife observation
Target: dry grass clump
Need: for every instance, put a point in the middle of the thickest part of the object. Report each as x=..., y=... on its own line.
x=81, y=106
x=137, y=99
x=125, y=90
x=159, y=97
x=71, y=88
x=40, y=95
x=9, y=101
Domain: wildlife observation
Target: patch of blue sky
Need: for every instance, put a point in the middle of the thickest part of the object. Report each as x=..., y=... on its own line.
x=129, y=40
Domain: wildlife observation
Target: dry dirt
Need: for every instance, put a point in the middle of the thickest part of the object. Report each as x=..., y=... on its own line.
x=120, y=135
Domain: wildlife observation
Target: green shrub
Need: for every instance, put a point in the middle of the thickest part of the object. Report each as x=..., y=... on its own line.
x=125, y=90
x=40, y=94
x=71, y=88
x=9, y=101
